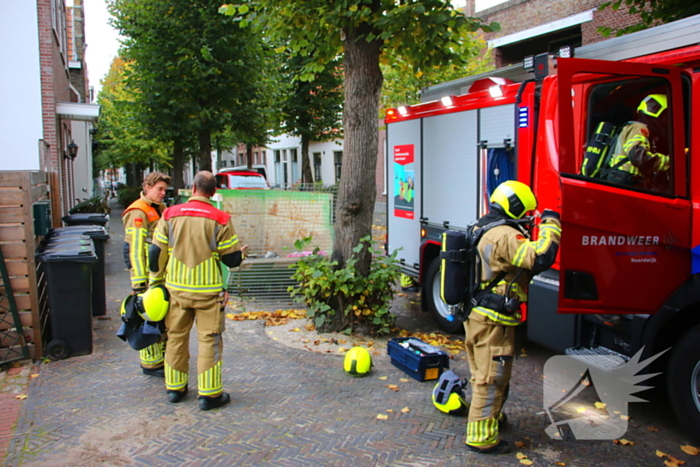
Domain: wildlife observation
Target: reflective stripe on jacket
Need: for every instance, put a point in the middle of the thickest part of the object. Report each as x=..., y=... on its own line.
x=633, y=150
x=192, y=238
x=140, y=220
x=505, y=249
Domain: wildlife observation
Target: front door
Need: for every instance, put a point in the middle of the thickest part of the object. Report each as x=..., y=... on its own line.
x=626, y=230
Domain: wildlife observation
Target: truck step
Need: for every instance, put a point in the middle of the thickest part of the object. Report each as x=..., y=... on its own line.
x=601, y=357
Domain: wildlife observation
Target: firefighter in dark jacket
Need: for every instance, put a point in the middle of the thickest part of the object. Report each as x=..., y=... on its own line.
x=140, y=220
x=505, y=251
x=190, y=242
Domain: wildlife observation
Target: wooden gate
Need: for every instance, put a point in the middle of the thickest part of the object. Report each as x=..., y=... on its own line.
x=19, y=190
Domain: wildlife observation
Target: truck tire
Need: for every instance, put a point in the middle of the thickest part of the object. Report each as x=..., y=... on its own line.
x=437, y=307
x=684, y=381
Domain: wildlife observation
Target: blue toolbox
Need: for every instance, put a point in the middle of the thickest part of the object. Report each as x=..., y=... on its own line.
x=421, y=361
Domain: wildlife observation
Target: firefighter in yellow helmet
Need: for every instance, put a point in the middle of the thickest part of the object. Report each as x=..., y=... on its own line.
x=190, y=242
x=140, y=219
x=640, y=151
x=510, y=259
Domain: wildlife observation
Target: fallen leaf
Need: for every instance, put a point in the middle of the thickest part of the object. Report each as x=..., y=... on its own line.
x=21, y=397
x=36, y=375
x=342, y=349
x=675, y=460
x=600, y=405
x=660, y=453
x=382, y=416
x=390, y=410
x=295, y=330
x=383, y=378
x=104, y=318
x=526, y=461
x=653, y=429
x=305, y=341
x=404, y=380
x=623, y=442
x=310, y=326
x=692, y=450
x=405, y=410
x=670, y=464
x=520, y=455
x=560, y=463
x=519, y=444
x=317, y=342
x=624, y=417
x=342, y=341
x=393, y=387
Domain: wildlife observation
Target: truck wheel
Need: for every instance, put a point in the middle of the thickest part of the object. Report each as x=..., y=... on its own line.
x=438, y=308
x=684, y=381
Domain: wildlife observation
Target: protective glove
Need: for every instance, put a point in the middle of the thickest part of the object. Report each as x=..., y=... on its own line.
x=549, y=214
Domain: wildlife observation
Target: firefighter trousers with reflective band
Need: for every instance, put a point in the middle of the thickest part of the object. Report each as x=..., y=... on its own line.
x=209, y=315
x=153, y=355
x=490, y=348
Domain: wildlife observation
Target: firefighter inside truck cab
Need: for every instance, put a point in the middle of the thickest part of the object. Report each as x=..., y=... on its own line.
x=640, y=152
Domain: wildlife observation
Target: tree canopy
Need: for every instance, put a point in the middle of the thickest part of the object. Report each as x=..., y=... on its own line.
x=196, y=74
x=122, y=137
x=312, y=110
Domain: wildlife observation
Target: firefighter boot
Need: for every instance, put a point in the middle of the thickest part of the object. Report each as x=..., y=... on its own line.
x=502, y=447
x=176, y=396
x=159, y=372
x=208, y=403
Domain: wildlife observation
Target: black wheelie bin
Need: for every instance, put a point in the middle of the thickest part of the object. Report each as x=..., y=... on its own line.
x=68, y=271
x=99, y=236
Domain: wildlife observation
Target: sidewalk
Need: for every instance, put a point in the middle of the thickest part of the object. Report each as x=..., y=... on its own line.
x=289, y=407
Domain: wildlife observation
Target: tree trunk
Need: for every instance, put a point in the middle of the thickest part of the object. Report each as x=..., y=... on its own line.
x=357, y=191
x=205, y=150
x=249, y=156
x=130, y=170
x=178, y=165
x=306, y=173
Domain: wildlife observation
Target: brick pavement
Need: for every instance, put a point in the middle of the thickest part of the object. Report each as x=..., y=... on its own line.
x=290, y=408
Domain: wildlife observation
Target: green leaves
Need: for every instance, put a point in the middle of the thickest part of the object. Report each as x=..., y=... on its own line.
x=361, y=299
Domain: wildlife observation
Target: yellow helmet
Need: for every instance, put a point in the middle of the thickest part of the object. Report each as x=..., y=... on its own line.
x=448, y=394
x=126, y=305
x=152, y=305
x=358, y=361
x=515, y=198
x=653, y=105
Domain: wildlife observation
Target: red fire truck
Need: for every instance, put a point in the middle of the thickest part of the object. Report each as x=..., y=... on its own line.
x=628, y=273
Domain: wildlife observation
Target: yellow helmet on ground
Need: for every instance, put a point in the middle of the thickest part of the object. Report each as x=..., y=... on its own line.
x=514, y=198
x=358, y=361
x=653, y=105
x=448, y=394
x=153, y=304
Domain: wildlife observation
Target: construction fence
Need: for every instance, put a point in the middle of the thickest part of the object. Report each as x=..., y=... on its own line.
x=270, y=222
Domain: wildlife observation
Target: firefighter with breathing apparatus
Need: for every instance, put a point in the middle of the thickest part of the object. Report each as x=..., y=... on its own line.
x=509, y=259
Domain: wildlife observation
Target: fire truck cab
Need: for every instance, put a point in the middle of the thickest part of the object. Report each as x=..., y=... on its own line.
x=628, y=274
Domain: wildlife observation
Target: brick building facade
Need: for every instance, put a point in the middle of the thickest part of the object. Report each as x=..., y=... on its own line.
x=530, y=27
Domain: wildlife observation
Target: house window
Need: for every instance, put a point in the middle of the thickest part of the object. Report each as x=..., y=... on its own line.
x=338, y=161
x=317, y=166
x=223, y=163
x=293, y=153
